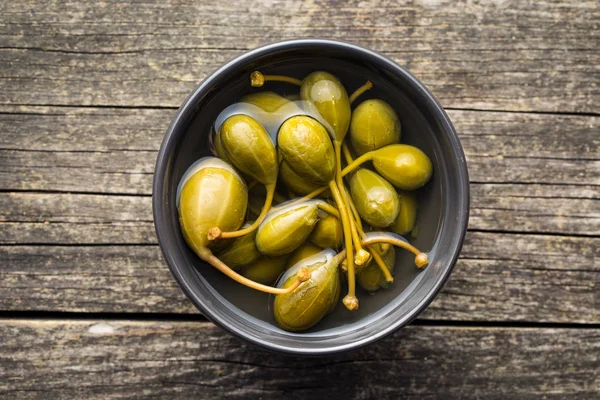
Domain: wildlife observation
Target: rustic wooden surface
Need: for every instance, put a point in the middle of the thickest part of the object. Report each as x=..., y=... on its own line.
x=127, y=359
x=89, y=308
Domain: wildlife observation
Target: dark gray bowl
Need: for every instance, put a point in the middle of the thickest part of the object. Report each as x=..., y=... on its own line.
x=443, y=208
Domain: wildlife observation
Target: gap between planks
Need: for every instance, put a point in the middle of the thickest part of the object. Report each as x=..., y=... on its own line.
x=175, y=317
x=155, y=107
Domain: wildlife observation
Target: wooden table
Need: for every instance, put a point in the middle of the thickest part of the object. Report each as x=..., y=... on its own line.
x=89, y=308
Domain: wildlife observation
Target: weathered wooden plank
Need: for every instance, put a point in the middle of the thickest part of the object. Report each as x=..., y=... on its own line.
x=65, y=218
x=534, y=209
x=114, y=150
x=89, y=279
x=89, y=129
x=522, y=278
x=500, y=277
x=70, y=156
x=92, y=129
x=55, y=218
x=517, y=55
x=74, y=208
x=532, y=170
x=528, y=135
x=191, y=360
x=99, y=172
x=131, y=171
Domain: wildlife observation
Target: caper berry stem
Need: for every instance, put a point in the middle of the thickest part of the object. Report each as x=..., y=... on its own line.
x=358, y=162
x=362, y=256
x=339, y=257
x=347, y=154
x=350, y=301
x=328, y=208
x=311, y=195
x=376, y=256
x=355, y=164
x=359, y=91
x=421, y=259
x=216, y=233
x=350, y=160
x=359, y=227
x=381, y=264
x=258, y=79
x=207, y=255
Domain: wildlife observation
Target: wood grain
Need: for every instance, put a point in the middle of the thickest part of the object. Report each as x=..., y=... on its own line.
x=105, y=129
x=503, y=275
x=62, y=218
x=118, y=172
x=109, y=150
x=193, y=360
x=556, y=158
x=511, y=55
x=71, y=219
x=542, y=278
x=88, y=90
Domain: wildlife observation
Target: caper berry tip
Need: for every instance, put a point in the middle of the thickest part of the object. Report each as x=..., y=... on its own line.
x=362, y=257
x=344, y=266
x=214, y=233
x=257, y=79
x=421, y=260
x=351, y=302
x=303, y=274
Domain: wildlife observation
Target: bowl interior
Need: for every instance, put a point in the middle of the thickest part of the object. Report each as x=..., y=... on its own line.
x=441, y=217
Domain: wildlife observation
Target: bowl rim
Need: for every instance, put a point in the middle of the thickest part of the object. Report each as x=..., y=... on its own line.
x=187, y=109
